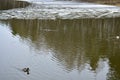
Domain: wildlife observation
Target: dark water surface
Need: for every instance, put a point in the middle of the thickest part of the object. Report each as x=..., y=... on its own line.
x=86, y=49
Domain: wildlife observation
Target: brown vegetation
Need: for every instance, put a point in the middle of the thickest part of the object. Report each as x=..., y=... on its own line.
x=9, y=4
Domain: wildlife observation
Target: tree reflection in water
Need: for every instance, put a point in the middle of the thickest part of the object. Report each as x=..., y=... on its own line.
x=75, y=42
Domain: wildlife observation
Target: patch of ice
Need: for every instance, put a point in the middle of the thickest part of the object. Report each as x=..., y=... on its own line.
x=67, y=10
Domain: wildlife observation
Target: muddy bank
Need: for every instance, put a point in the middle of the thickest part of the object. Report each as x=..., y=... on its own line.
x=61, y=10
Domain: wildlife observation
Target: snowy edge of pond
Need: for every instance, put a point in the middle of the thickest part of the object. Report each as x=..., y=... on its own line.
x=51, y=10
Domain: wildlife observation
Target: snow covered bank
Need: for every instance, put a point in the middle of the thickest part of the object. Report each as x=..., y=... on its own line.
x=61, y=10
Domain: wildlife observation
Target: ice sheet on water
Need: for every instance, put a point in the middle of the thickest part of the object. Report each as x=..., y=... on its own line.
x=61, y=10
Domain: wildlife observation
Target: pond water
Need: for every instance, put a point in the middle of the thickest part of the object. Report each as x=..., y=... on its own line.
x=84, y=49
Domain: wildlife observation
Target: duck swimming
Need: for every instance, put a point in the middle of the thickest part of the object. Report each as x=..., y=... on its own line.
x=26, y=70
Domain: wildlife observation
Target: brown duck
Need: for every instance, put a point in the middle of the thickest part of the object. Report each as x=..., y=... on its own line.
x=27, y=70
